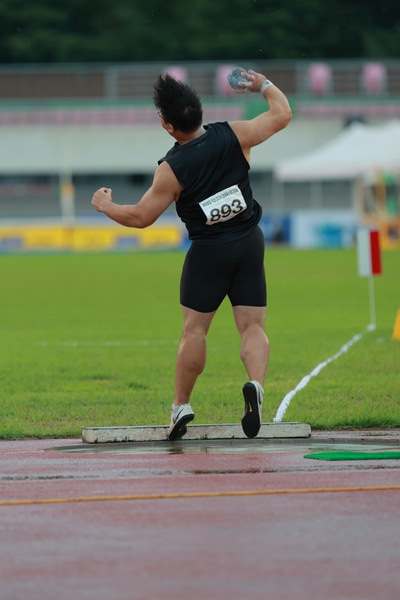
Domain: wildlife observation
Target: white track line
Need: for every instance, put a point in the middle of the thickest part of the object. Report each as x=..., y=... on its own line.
x=107, y=343
x=284, y=405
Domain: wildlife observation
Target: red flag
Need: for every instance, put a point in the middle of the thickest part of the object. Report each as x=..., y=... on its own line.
x=369, y=253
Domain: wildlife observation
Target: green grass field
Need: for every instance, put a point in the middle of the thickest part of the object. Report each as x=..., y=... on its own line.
x=91, y=340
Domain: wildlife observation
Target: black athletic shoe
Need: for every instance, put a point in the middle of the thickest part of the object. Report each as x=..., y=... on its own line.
x=253, y=395
x=177, y=428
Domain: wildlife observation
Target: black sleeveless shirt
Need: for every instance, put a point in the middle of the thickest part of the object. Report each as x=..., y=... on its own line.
x=216, y=203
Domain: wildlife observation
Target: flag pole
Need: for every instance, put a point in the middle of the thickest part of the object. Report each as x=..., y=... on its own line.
x=372, y=302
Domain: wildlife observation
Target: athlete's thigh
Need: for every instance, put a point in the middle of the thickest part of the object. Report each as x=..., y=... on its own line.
x=196, y=322
x=245, y=316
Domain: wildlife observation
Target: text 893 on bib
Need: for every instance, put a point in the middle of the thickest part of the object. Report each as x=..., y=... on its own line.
x=223, y=205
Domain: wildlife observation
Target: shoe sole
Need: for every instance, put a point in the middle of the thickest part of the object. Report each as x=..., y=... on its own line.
x=180, y=429
x=251, y=421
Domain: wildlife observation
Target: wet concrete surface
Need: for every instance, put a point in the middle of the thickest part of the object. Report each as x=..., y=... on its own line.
x=231, y=446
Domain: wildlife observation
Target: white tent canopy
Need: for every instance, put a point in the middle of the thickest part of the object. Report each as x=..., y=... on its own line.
x=358, y=149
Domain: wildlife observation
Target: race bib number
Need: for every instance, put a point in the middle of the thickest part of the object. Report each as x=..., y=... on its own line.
x=223, y=205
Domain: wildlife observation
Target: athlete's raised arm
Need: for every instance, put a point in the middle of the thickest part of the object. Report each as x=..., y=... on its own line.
x=255, y=131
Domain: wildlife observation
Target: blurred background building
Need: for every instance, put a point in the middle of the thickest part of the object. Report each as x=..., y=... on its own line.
x=67, y=129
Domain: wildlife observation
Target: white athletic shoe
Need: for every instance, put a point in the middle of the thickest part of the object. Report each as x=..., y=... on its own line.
x=253, y=394
x=177, y=427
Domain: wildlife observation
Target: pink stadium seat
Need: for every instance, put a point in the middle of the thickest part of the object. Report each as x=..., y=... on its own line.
x=222, y=86
x=178, y=73
x=320, y=79
x=374, y=78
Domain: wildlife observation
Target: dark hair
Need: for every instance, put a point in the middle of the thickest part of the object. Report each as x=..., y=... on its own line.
x=178, y=103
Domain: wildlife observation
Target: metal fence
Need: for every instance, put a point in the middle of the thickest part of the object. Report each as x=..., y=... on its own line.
x=115, y=82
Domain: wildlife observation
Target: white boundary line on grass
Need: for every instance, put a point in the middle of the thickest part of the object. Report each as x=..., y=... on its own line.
x=284, y=405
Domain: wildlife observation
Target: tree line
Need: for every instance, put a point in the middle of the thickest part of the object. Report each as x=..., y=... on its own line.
x=49, y=31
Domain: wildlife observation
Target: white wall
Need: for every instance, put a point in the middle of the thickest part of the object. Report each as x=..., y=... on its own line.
x=47, y=149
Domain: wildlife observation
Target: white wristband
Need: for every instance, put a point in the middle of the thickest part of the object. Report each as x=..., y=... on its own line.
x=264, y=86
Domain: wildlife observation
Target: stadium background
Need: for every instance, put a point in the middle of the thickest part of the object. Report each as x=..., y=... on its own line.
x=70, y=126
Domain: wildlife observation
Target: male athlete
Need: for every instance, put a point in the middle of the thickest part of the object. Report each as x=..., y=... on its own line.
x=206, y=175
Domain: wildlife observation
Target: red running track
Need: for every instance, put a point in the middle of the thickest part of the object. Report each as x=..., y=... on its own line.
x=326, y=539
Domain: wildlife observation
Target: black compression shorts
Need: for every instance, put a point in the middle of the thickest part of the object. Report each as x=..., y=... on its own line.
x=234, y=269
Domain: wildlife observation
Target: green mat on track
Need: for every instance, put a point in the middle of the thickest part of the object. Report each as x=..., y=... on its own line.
x=344, y=455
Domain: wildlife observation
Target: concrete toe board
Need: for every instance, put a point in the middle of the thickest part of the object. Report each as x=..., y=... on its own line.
x=94, y=435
